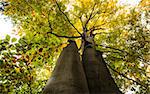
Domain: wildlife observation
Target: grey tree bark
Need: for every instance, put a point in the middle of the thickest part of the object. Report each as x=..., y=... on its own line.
x=68, y=76
x=97, y=74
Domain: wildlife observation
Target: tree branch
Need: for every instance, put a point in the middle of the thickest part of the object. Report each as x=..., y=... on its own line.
x=90, y=16
x=100, y=33
x=80, y=18
x=93, y=29
x=51, y=29
x=63, y=36
x=81, y=21
x=145, y=86
x=67, y=18
x=113, y=48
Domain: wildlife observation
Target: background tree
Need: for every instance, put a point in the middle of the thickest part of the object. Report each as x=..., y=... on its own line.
x=45, y=27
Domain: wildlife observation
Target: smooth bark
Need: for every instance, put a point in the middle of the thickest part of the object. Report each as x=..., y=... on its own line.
x=68, y=76
x=97, y=74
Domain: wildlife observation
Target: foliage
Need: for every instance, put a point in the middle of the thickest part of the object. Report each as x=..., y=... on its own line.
x=46, y=26
x=18, y=72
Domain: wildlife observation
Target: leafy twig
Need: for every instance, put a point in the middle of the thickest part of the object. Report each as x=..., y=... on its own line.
x=113, y=48
x=51, y=29
x=121, y=74
x=67, y=18
x=90, y=14
x=90, y=17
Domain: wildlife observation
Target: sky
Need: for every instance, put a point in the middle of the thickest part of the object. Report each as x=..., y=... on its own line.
x=129, y=2
x=6, y=25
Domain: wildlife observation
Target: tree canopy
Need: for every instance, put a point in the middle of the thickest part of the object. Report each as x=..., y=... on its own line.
x=120, y=32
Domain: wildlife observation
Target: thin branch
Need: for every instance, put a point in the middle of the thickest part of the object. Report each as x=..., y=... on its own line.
x=79, y=17
x=49, y=24
x=113, y=48
x=145, y=86
x=90, y=15
x=94, y=29
x=94, y=15
x=97, y=12
x=100, y=33
x=67, y=18
x=98, y=27
x=81, y=21
x=98, y=19
x=51, y=29
x=63, y=36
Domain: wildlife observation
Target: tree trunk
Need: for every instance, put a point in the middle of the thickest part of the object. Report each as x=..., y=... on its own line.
x=68, y=76
x=97, y=74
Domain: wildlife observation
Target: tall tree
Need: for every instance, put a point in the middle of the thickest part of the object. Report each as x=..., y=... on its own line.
x=98, y=76
x=68, y=76
x=47, y=25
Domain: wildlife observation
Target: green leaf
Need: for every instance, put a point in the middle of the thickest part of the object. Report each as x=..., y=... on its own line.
x=1, y=41
x=1, y=62
x=13, y=39
x=7, y=38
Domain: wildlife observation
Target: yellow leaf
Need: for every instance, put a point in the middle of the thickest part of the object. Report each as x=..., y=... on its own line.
x=17, y=70
x=63, y=45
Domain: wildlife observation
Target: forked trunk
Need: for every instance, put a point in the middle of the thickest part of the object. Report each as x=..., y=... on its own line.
x=97, y=74
x=68, y=76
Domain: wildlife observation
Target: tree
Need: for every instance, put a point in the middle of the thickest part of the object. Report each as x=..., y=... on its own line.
x=68, y=76
x=48, y=25
x=97, y=74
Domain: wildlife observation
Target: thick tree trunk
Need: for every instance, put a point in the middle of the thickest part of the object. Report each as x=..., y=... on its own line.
x=68, y=76
x=97, y=74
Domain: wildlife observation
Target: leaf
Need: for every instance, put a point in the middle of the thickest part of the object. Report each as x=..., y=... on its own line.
x=13, y=39
x=1, y=62
x=17, y=70
x=121, y=25
x=7, y=38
